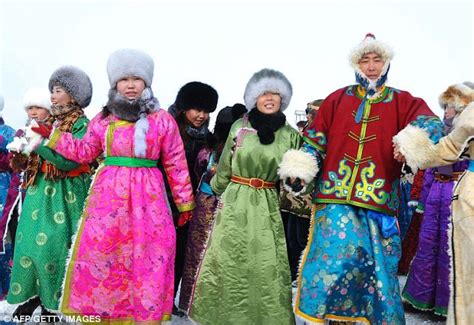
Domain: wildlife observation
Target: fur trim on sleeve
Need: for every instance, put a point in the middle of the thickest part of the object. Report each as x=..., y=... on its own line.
x=416, y=146
x=297, y=163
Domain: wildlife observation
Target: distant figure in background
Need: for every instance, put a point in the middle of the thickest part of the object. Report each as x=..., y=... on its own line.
x=312, y=109
x=201, y=224
x=410, y=241
x=6, y=178
x=194, y=102
x=296, y=210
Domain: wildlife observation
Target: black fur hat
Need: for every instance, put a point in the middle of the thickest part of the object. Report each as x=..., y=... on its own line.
x=225, y=118
x=196, y=95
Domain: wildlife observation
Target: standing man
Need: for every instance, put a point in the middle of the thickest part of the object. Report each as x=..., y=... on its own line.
x=349, y=268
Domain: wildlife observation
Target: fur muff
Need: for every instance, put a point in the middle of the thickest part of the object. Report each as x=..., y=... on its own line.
x=196, y=95
x=130, y=63
x=268, y=80
x=416, y=146
x=297, y=163
x=76, y=83
x=39, y=97
x=457, y=96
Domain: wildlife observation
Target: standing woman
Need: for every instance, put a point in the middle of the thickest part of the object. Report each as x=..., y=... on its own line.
x=194, y=102
x=56, y=190
x=245, y=276
x=201, y=224
x=122, y=261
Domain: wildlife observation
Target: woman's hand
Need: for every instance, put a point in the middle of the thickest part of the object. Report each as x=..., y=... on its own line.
x=184, y=217
x=43, y=130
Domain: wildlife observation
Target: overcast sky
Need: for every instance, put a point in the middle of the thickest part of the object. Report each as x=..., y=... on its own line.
x=223, y=43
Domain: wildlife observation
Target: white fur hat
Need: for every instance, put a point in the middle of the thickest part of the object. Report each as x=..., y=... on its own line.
x=129, y=63
x=76, y=83
x=268, y=80
x=35, y=96
x=368, y=45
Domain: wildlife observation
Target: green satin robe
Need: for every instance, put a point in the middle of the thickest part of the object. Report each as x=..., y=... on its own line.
x=245, y=275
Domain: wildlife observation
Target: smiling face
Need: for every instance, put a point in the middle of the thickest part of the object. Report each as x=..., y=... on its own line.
x=269, y=103
x=131, y=87
x=371, y=65
x=196, y=117
x=59, y=96
x=37, y=113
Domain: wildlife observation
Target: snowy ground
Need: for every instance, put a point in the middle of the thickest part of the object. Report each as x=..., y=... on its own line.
x=412, y=317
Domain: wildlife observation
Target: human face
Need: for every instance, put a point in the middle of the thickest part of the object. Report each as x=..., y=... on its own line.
x=449, y=112
x=312, y=111
x=37, y=113
x=371, y=65
x=269, y=103
x=59, y=96
x=197, y=117
x=131, y=87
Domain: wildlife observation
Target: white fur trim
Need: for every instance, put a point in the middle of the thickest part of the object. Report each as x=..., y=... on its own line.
x=6, y=235
x=17, y=144
x=465, y=118
x=416, y=146
x=413, y=204
x=34, y=139
x=451, y=266
x=40, y=97
x=369, y=45
x=141, y=129
x=297, y=163
x=268, y=80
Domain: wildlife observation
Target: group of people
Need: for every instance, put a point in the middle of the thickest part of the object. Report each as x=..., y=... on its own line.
x=117, y=216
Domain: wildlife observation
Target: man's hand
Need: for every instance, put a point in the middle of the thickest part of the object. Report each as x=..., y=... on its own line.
x=397, y=155
x=296, y=184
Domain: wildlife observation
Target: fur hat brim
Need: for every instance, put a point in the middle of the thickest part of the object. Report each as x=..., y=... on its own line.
x=196, y=95
x=458, y=96
x=76, y=83
x=371, y=45
x=268, y=80
x=39, y=97
x=125, y=63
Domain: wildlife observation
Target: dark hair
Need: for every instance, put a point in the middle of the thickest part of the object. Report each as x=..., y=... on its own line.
x=316, y=102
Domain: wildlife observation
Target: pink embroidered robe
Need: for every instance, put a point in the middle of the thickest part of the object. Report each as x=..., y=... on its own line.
x=122, y=262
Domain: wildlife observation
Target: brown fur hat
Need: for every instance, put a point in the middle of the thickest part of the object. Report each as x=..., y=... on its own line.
x=458, y=96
